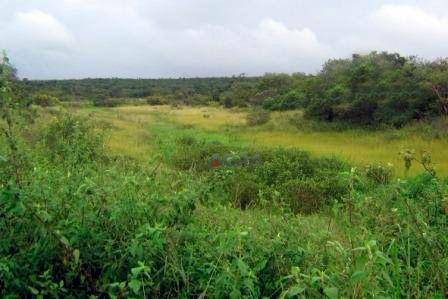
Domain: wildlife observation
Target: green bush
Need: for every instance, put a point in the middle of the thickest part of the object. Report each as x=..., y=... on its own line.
x=294, y=99
x=305, y=196
x=379, y=174
x=288, y=178
x=74, y=139
x=45, y=100
x=190, y=154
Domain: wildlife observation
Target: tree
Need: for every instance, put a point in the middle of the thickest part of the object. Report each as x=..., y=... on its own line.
x=437, y=79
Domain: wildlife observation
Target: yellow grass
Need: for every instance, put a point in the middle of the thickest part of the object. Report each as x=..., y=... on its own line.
x=206, y=117
x=360, y=150
x=132, y=135
x=360, y=147
x=129, y=134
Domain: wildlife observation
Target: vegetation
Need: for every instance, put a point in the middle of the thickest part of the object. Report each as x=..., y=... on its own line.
x=185, y=202
x=256, y=118
x=373, y=90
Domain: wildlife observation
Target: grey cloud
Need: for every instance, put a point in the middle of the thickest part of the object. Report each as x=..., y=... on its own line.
x=168, y=38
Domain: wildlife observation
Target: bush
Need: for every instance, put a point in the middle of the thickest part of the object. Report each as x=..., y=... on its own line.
x=243, y=188
x=379, y=174
x=73, y=139
x=190, y=154
x=305, y=196
x=288, y=178
x=154, y=101
x=101, y=101
x=45, y=100
x=292, y=100
x=257, y=118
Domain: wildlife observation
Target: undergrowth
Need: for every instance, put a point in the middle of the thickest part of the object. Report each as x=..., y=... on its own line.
x=210, y=218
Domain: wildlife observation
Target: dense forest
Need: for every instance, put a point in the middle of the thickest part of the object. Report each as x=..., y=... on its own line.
x=368, y=90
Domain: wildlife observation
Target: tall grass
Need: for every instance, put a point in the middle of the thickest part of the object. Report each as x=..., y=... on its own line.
x=361, y=147
x=79, y=220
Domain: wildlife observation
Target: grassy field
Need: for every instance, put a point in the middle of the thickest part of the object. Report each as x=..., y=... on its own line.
x=146, y=212
x=135, y=126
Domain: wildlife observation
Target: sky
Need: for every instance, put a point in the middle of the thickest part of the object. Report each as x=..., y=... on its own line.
x=58, y=39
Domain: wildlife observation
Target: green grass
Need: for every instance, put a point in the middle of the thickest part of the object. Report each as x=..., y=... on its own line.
x=124, y=220
x=134, y=126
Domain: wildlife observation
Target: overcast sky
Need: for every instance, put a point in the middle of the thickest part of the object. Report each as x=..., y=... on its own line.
x=175, y=38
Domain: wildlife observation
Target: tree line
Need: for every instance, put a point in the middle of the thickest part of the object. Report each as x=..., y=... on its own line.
x=368, y=90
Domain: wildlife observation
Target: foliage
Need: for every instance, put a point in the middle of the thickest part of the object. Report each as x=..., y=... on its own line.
x=379, y=174
x=257, y=117
x=294, y=99
x=45, y=100
x=374, y=89
x=206, y=218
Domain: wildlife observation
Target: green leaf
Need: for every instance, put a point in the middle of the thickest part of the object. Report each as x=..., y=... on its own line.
x=388, y=279
x=332, y=293
x=260, y=265
x=136, y=271
x=76, y=256
x=64, y=241
x=358, y=276
x=33, y=290
x=296, y=290
x=135, y=285
x=383, y=257
x=244, y=269
x=235, y=294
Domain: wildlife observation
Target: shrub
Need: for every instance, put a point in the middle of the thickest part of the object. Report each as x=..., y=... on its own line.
x=292, y=100
x=243, y=188
x=288, y=178
x=305, y=196
x=257, y=118
x=45, y=100
x=154, y=101
x=115, y=102
x=190, y=154
x=379, y=174
x=74, y=139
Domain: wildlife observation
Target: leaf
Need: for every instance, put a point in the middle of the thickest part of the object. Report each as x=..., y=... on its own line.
x=65, y=241
x=388, y=279
x=358, y=276
x=383, y=257
x=332, y=293
x=136, y=271
x=260, y=265
x=235, y=294
x=244, y=269
x=76, y=256
x=135, y=285
x=296, y=290
x=33, y=290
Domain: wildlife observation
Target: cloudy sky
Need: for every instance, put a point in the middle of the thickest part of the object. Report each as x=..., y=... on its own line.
x=173, y=38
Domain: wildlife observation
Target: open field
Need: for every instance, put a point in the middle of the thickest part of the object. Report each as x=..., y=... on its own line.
x=214, y=154
x=133, y=126
x=193, y=202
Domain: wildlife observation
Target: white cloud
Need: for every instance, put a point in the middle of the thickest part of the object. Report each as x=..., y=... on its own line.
x=412, y=29
x=37, y=29
x=410, y=21
x=160, y=38
x=268, y=46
